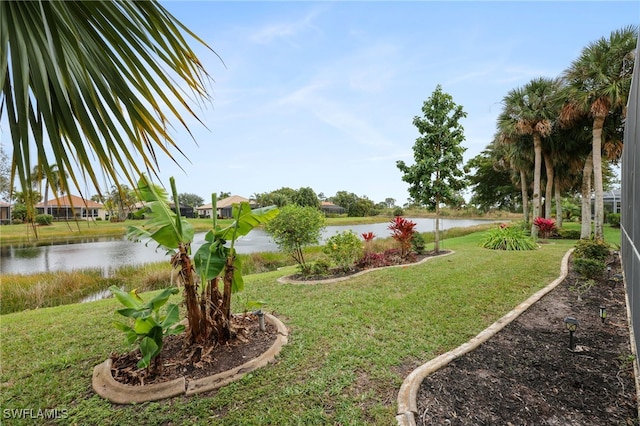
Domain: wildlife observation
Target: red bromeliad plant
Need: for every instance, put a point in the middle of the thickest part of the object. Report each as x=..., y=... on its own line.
x=545, y=226
x=402, y=231
x=368, y=236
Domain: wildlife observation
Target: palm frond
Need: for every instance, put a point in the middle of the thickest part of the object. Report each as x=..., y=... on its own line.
x=95, y=80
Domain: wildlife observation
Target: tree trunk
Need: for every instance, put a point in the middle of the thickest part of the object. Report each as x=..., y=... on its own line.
x=558, y=196
x=585, y=228
x=525, y=196
x=46, y=199
x=548, y=165
x=537, y=149
x=437, y=232
x=182, y=261
x=598, y=123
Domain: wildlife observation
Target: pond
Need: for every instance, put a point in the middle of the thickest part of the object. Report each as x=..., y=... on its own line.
x=106, y=253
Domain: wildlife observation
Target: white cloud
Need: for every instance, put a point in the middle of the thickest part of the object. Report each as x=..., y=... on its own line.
x=286, y=31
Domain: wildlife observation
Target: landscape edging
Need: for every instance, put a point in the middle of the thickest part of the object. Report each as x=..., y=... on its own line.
x=408, y=393
x=107, y=387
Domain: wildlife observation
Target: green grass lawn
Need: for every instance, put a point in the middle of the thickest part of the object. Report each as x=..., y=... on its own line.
x=350, y=346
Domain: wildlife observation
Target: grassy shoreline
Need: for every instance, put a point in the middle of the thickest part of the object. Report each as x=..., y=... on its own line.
x=74, y=230
x=20, y=292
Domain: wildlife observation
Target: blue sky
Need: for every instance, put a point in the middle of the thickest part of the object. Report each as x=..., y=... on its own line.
x=323, y=94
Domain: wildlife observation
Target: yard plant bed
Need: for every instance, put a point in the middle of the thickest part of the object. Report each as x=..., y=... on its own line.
x=526, y=374
x=391, y=258
x=179, y=359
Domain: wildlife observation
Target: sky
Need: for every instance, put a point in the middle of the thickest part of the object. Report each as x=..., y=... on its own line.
x=323, y=94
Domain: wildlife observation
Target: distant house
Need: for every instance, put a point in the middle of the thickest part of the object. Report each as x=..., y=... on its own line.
x=5, y=212
x=223, y=207
x=612, y=200
x=330, y=208
x=185, y=211
x=72, y=207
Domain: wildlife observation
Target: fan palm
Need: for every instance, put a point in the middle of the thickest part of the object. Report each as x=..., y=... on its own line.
x=87, y=80
x=53, y=178
x=516, y=152
x=531, y=110
x=598, y=81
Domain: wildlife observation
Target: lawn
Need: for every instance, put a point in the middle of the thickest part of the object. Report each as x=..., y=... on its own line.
x=350, y=346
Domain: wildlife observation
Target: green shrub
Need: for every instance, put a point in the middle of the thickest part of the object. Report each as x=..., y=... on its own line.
x=508, y=238
x=343, y=249
x=591, y=249
x=294, y=228
x=320, y=267
x=567, y=234
x=44, y=219
x=398, y=211
x=614, y=219
x=589, y=268
x=418, y=243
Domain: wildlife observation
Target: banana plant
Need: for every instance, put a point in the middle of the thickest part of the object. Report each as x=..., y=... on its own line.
x=215, y=257
x=173, y=233
x=216, y=262
x=151, y=325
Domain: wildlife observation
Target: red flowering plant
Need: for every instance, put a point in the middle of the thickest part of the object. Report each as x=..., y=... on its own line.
x=368, y=238
x=402, y=231
x=545, y=226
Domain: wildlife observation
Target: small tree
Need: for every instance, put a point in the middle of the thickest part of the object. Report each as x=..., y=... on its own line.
x=294, y=228
x=437, y=174
x=402, y=230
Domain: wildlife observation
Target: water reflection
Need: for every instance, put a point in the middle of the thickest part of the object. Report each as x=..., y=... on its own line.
x=107, y=254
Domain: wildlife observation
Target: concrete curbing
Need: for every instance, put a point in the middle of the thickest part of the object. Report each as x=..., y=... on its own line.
x=408, y=394
x=107, y=387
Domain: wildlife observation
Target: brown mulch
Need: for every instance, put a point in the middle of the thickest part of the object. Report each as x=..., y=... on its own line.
x=526, y=374
x=179, y=359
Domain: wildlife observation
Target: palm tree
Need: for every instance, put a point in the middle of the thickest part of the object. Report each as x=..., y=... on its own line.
x=94, y=79
x=516, y=152
x=597, y=83
x=53, y=177
x=531, y=110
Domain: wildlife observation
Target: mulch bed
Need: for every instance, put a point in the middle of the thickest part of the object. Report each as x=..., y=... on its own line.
x=197, y=361
x=526, y=374
x=334, y=273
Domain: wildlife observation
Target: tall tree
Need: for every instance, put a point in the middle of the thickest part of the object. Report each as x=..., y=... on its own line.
x=94, y=80
x=5, y=176
x=491, y=184
x=52, y=177
x=598, y=81
x=531, y=110
x=515, y=152
x=306, y=197
x=437, y=174
x=191, y=200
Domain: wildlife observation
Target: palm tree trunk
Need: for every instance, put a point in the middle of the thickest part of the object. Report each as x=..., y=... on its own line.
x=558, y=196
x=585, y=229
x=537, y=149
x=548, y=165
x=525, y=196
x=598, y=123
